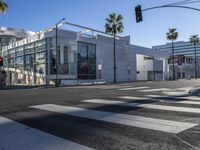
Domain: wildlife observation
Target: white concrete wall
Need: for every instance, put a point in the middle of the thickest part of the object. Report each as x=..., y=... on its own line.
x=143, y=66
x=125, y=60
x=149, y=68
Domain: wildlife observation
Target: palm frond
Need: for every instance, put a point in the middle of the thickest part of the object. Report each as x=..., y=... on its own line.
x=194, y=39
x=3, y=6
x=172, y=34
x=114, y=24
x=119, y=18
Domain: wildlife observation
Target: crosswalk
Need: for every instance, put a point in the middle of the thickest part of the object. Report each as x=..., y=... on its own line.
x=91, y=110
x=130, y=120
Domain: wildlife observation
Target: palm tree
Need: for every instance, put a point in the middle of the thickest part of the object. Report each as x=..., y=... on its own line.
x=113, y=26
x=194, y=39
x=3, y=6
x=172, y=35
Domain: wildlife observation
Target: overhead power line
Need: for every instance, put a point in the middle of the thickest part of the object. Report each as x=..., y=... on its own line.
x=185, y=2
x=180, y=2
x=192, y=2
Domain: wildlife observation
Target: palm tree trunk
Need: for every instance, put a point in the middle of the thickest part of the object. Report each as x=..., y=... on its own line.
x=195, y=61
x=114, y=57
x=173, y=65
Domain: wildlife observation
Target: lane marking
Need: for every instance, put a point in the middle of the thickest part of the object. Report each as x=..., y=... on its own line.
x=155, y=96
x=17, y=136
x=192, y=98
x=123, y=119
x=177, y=100
x=150, y=106
x=133, y=88
x=134, y=98
x=154, y=90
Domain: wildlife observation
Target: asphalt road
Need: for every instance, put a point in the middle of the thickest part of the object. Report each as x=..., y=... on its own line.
x=135, y=115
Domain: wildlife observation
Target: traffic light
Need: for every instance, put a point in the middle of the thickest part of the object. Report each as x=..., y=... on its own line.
x=138, y=13
x=1, y=61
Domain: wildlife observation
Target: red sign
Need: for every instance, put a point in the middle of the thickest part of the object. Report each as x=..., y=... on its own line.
x=181, y=59
x=1, y=61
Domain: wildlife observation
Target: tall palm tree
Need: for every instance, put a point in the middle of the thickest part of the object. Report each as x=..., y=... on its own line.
x=3, y=6
x=194, y=39
x=113, y=26
x=172, y=35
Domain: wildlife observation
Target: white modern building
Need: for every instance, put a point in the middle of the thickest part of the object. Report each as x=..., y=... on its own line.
x=81, y=58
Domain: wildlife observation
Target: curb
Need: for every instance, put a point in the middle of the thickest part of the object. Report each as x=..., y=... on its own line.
x=187, y=91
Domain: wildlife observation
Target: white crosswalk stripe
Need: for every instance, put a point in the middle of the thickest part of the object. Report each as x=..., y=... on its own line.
x=16, y=136
x=123, y=119
x=179, y=100
x=192, y=98
x=154, y=90
x=149, y=106
x=134, y=97
x=133, y=88
x=154, y=96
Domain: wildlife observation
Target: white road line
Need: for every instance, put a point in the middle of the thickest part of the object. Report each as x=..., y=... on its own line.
x=155, y=96
x=133, y=88
x=123, y=119
x=157, y=100
x=192, y=98
x=153, y=90
x=189, y=102
x=150, y=106
x=17, y=136
x=134, y=98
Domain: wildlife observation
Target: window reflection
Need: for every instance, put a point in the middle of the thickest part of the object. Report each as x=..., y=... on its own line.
x=86, y=61
x=66, y=55
x=29, y=60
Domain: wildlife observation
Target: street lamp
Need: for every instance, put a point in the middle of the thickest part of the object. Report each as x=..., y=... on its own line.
x=56, y=29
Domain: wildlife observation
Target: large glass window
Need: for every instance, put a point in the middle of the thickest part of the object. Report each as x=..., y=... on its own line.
x=40, y=62
x=29, y=62
x=66, y=55
x=11, y=62
x=40, y=68
x=19, y=61
x=86, y=61
x=40, y=58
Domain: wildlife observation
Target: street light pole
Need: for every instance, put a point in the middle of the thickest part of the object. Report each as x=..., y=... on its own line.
x=56, y=29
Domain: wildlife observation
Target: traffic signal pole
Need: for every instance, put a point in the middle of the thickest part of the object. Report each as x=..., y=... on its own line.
x=139, y=16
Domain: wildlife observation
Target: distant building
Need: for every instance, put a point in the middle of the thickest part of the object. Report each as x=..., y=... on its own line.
x=180, y=48
x=184, y=58
x=81, y=58
x=9, y=35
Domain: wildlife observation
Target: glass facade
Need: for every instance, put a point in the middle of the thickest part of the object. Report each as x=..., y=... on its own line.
x=86, y=60
x=26, y=56
x=67, y=52
x=180, y=48
x=38, y=54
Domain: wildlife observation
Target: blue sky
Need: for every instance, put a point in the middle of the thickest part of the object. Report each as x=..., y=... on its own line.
x=37, y=15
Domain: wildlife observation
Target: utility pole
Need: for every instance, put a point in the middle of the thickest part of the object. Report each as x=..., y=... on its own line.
x=57, y=61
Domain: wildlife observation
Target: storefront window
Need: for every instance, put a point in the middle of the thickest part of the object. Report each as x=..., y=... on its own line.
x=40, y=68
x=66, y=55
x=29, y=62
x=40, y=58
x=19, y=62
x=86, y=61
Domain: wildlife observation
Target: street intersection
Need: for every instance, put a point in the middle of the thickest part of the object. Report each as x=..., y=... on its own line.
x=136, y=115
